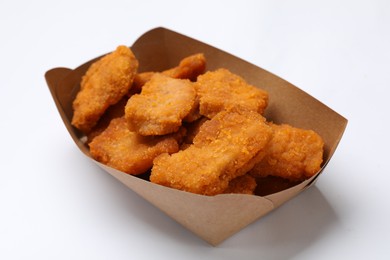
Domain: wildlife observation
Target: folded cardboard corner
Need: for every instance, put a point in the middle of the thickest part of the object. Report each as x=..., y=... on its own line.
x=213, y=218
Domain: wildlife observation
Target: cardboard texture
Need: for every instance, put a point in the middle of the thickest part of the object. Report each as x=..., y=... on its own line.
x=213, y=218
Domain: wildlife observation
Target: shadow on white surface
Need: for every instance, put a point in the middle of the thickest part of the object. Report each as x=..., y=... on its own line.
x=289, y=230
x=139, y=211
x=282, y=234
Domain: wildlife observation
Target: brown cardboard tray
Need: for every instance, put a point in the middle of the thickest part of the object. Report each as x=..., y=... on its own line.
x=213, y=218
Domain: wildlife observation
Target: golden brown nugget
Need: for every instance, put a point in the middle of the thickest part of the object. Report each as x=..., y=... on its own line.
x=222, y=154
x=103, y=85
x=245, y=184
x=114, y=111
x=161, y=106
x=194, y=114
x=193, y=129
x=127, y=151
x=189, y=68
x=140, y=79
x=222, y=90
x=231, y=126
x=228, y=124
x=294, y=154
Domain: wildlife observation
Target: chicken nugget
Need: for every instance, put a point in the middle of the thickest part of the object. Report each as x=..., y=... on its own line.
x=127, y=151
x=104, y=84
x=245, y=184
x=225, y=151
x=222, y=90
x=140, y=79
x=193, y=129
x=161, y=106
x=293, y=153
x=189, y=68
x=114, y=111
x=228, y=125
x=194, y=114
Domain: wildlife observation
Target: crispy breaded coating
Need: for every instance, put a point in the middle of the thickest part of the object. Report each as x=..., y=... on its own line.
x=189, y=68
x=140, y=79
x=193, y=129
x=228, y=123
x=294, y=154
x=161, y=106
x=224, y=150
x=127, y=151
x=194, y=114
x=222, y=90
x=104, y=84
x=245, y=184
x=114, y=111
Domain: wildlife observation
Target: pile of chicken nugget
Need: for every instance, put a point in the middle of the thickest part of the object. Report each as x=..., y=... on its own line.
x=190, y=129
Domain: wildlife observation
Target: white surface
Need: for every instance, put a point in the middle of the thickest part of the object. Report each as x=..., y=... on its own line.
x=55, y=204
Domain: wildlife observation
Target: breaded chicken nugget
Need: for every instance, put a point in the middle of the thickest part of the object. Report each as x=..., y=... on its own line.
x=245, y=184
x=194, y=114
x=193, y=129
x=222, y=90
x=161, y=106
x=294, y=154
x=114, y=111
x=103, y=85
x=225, y=151
x=231, y=125
x=228, y=124
x=127, y=151
x=189, y=68
x=140, y=79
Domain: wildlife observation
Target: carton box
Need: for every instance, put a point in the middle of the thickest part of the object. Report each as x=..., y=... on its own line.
x=213, y=218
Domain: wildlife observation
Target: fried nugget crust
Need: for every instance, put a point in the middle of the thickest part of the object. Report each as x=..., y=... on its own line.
x=114, y=111
x=104, y=84
x=245, y=184
x=189, y=68
x=161, y=106
x=228, y=125
x=127, y=151
x=223, y=90
x=223, y=150
x=193, y=129
x=293, y=153
x=140, y=79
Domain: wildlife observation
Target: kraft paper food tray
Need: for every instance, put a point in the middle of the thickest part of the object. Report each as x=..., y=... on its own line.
x=213, y=218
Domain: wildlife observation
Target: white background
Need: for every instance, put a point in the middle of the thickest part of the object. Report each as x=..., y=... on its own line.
x=56, y=204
